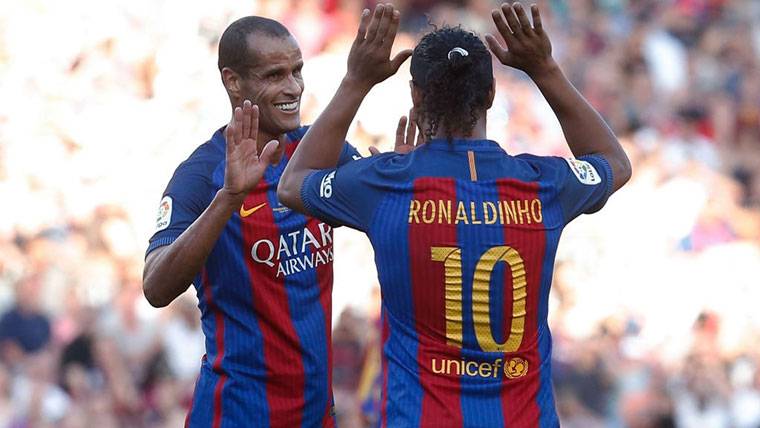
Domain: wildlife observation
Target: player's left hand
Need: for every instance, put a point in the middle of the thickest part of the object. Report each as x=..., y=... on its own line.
x=407, y=138
x=369, y=61
x=244, y=166
x=528, y=46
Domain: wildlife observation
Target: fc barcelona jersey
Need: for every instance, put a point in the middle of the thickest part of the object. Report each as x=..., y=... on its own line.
x=264, y=295
x=465, y=237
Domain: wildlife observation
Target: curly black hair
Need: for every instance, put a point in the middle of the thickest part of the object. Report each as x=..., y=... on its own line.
x=455, y=83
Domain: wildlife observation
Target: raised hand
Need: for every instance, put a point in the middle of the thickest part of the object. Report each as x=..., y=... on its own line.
x=245, y=166
x=369, y=61
x=528, y=46
x=406, y=141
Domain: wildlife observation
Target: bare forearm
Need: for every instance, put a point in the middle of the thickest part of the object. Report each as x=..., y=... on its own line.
x=320, y=148
x=584, y=129
x=322, y=144
x=368, y=64
x=170, y=270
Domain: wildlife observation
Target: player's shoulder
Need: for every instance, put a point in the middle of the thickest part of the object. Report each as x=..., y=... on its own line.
x=205, y=158
x=585, y=168
x=297, y=134
x=542, y=165
x=380, y=171
x=386, y=164
x=538, y=161
x=530, y=167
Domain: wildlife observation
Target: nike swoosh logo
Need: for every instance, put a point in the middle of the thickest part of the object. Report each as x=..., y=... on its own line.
x=246, y=212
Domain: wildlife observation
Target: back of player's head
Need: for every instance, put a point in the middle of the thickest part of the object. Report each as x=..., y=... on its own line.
x=452, y=68
x=234, y=52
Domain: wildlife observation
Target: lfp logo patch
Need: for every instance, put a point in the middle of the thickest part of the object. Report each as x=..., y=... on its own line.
x=164, y=215
x=584, y=171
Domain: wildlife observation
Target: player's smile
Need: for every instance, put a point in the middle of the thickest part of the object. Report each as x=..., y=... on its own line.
x=288, y=107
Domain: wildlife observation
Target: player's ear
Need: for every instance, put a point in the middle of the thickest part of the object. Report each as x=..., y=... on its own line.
x=491, y=94
x=231, y=80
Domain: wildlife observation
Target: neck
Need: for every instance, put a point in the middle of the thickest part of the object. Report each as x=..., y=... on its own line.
x=262, y=138
x=478, y=132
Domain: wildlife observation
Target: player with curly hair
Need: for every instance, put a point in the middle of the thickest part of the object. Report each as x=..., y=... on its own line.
x=465, y=234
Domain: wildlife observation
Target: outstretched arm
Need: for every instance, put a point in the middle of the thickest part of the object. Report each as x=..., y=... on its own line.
x=529, y=49
x=169, y=270
x=369, y=63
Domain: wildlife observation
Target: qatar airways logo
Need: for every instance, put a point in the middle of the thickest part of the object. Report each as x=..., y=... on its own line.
x=295, y=252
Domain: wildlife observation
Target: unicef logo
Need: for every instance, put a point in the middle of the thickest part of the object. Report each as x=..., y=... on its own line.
x=513, y=368
x=516, y=367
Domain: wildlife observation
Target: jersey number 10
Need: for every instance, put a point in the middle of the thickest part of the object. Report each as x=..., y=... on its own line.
x=481, y=284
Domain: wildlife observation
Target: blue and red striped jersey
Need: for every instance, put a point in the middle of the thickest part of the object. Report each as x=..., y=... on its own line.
x=264, y=295
x=465, y=237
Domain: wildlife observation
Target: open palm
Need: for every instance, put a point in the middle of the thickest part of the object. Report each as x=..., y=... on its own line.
x=528, y=46
x=369, y=60
x=245, y=167
x=407, y=138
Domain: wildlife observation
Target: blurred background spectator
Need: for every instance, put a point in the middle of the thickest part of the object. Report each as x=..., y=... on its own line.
x=654, y=300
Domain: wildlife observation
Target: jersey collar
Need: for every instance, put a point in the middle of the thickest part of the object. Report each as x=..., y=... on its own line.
x=463, y=145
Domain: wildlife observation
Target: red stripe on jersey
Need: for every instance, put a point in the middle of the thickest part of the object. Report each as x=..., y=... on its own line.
x=219, y=339
x=282, y=349
x=518, y=395
x=440, y=400
x=217, y=422
x=385, y=333
x=290, y=148
x=325, y=282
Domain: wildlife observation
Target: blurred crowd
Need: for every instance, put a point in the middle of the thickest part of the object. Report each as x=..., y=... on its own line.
x=653, y=307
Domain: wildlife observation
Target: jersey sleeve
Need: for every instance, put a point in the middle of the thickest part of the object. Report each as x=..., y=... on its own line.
x=585, y=184
x=187, y=195
x=344, y=196
x=348, y=154
x=581, y=186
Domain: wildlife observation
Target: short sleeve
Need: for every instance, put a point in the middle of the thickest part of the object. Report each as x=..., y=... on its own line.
x=348, y=154
x=585, y=185
x=187, y=195
x=344, y=196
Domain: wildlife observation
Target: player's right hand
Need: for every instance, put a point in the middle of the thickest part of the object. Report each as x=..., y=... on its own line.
x=407, y=138
x=369, y=61
x=528, y=46
x=245, y=166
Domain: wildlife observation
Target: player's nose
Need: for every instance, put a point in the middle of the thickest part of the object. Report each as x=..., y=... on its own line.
x=293, y=86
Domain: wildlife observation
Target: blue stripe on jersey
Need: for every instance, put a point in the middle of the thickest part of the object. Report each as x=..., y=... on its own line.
x=405, y=391
x=202, y=408
x=552, y=215
x=200, y=411
x=480, y=398
x=207, y=322
x=204, y=292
